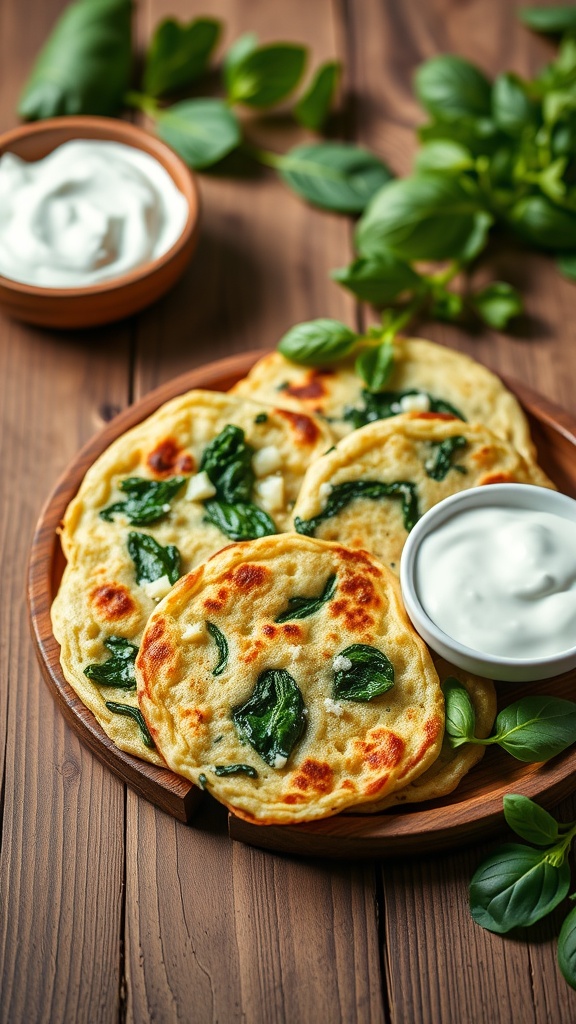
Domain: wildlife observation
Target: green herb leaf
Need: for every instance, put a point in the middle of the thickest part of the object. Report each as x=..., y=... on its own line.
x=179, y=54
x=440, y=462
x=460, y=714
x=512, y=109
x=479, y=135
x=342, y=494
x=387, y=403
x=201, y=131
x=228, y=462
x=261, y=418
x=119, y=669
x=536, y=728
x=530, y=821
x=152, y=560
x=222, y=645
x=549, y=19
x=377, y=279
x=147, y=500
x=240, y=521
x=317, y=342
x=302, y=607
x=265, y=75
x=273, y=719
x=449, y=88
x=370, y=674
x=131, y=712
x=547, y=226
x=244, y=45
x=497, y=304
x=85, y=66
x=333, y=175
x=375, y=365
x=236, y=769
x=314, y=106
x=567, y=949
x=515, y=887
x=447, y=306
x=444, y=155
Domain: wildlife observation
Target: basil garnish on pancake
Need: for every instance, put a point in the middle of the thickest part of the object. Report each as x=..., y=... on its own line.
x=439, y=464
x=147, y=501
x=273, y=719
x=152, y=560
x=228, y=463
x=389, y=403
x=118, y=670
x=302, y=607
x=131, y=712
x=342, y=494
x=222, y=645
x=361, y=673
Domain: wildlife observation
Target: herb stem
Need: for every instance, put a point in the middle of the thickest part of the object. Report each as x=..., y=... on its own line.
x=141, y=101
x=397, y=323
x=262, y=156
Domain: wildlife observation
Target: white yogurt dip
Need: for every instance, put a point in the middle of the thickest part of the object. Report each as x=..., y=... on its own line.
x=89, y=211
x=501, y=581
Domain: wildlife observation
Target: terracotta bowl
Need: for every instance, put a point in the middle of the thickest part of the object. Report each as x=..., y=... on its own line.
x=120, y=296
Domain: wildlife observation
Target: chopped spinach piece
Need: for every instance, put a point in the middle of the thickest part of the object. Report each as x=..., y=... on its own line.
x=136, y=714
x=302, y=607
x=273, y=719
x=202, y=780
x=381, y=406
x=261, y=417
x=236, y=769
x=228, y=462
x=370, y=674
x=440, y=461
x=239, y=521
x=342, y=494
x=151, y=559
x=119, y=669
x=147, y=499
x=222, y=645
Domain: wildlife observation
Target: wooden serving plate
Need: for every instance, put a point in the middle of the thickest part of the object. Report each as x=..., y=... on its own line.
x=474, y=809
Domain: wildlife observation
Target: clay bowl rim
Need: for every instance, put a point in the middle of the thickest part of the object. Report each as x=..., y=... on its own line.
x=109, y=129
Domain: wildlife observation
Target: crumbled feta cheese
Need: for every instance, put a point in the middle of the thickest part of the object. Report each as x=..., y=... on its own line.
x=324, y=492
x=266, y=460
x=332, y=707
x=341, y=663
x=158, y=588
x=270, y=491
x=200, y=487
x=166, y=507
x=193, y=632
x=296, y=653
x=279, y=761
x=395, y=407
x=415, y=403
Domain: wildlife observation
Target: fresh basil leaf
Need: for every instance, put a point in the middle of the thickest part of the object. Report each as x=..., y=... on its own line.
x=85, y=66
x=147, y=501
x=342, y=494
x=228, y=462
x=444, y=155
x=179, y=54
x=515, y=887
x=369, y=675
x=265, y=75
x=460, y=714
x=314, y=106
x=536, y=728
x=152, y=560
x=119, y=669
x=567, y=949
x=447, y=306
x=335, y=176
x=240, y=521
x=530, y=821
x=201, y=131
x=377, y=279
x=497, y=304
x=512, y=109
x=539, y=221
x=479, y=135
x=131, y=712
x=317, y=342
x=302, y=607
x=375, y=365
x=449, y=88
x=425, y=217
x=549, y=19
x=388, y=403
x=440, y=462
x=236, y=769
x=222, y=645
x=244, y=45
x=273, y=719
x=567, y=265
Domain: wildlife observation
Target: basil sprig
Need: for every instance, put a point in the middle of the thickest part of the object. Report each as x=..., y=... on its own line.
x=222, y=645
x=147, y=501
x=131, y=712
x=439, y=464
x=342, y=494
x=387, y=403
x=119, y=669
x=273, y=719
x=153, y=560
x=228, y=462
x=179, y=54
x=531, y=729
x=313, y=107
x=369, y=675
x=302, y=607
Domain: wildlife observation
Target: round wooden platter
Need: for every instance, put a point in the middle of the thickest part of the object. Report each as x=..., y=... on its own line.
x=474, y=809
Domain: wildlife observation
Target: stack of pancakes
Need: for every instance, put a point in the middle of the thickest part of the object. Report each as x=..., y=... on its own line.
x=230, y=606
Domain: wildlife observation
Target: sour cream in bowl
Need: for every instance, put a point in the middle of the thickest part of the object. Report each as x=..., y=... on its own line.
x=489, y=581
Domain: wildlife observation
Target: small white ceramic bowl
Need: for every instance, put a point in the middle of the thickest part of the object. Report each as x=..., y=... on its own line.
x=523, y=496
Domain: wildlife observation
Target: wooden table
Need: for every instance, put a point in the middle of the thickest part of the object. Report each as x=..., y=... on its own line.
x=111, y=910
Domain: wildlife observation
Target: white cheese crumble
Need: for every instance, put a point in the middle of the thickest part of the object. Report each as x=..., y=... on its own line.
x=270, y=491
x=332, y=707
x=266, y=460
x=279, y=761
x=341, y=663
x=415, y=403
x=200, y=487
x=158, y=589
x=296, y=653
x=166, y=506
x=193, y=632
x=324, y=492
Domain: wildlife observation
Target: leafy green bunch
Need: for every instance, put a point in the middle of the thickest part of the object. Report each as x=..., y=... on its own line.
x=87, y=64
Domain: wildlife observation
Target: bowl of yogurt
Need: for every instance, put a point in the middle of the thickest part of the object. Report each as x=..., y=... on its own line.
x=98, y=219
x=489, y=581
